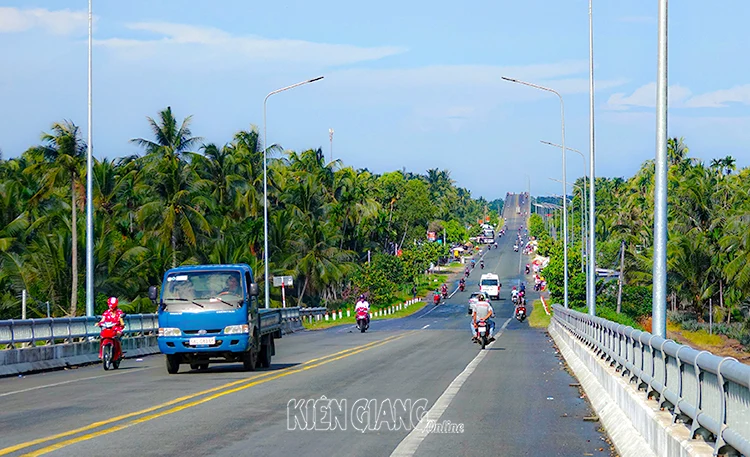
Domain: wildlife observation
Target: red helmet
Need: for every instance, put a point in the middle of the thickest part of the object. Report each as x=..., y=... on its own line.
x=112, y=302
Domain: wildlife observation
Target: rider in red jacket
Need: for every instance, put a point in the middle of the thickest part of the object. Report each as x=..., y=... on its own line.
x=116, y=316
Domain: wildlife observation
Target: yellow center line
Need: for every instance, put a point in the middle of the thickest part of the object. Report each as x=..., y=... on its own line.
x=98, y=424
x=141, y=420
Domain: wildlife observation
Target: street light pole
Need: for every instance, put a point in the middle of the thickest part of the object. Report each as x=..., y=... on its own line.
x=330, y=136
x=659, y=311
x=90, y=185
x=585, y=204
x=528, y=186
x=565, y=205
x=265, y=186
x=583, y=222
x=591, y=277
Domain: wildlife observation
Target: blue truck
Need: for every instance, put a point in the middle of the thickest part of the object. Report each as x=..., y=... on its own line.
x=209, y=314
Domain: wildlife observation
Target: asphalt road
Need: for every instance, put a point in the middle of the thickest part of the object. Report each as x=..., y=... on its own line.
x=512, y=399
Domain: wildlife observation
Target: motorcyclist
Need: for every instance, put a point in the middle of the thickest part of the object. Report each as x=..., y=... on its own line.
x=444, y=289
x=363, y=304
x=116, y=316
x=495, y=244
x=466, y=272
x=482, y=310
x=473, y=263
x=481, y=263
x=462, y=282
x=514, y=294
x=523, y=288
x=528, y=268
x=436, y=297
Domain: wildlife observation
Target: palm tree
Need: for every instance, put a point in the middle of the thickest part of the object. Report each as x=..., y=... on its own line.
x=172, y=142
x=63, y=154
x=173, y=180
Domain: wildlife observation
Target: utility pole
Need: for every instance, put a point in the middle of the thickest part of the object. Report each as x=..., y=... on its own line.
x=620, y=279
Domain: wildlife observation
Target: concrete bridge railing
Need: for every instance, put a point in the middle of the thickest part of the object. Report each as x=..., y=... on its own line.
x=708, y=395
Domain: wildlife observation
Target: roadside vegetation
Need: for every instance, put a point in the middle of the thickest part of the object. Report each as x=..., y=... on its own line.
x=183, y=201
x=538, y=317
x=708, y=251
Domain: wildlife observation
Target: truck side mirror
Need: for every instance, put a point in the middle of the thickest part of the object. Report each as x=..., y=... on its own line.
x=152, y=293
x=253, y=292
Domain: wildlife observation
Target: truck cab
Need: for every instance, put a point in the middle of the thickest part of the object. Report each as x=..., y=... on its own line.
x=209, y=314
x=489, y=284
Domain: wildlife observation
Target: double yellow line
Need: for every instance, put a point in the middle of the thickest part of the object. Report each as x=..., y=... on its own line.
x=169, y=407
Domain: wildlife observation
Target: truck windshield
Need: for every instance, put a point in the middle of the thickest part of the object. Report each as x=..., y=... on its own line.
x=202, y=291
x=489, y=282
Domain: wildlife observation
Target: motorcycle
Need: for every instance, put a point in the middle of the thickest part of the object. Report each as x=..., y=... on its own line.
x=521, y=312
x=461, y=287
x=482, y=333
x=110, y=346
x=482, y=265
x=527, y=269
x=515, y=248
x=445, y=294
x=514, y=298
x=436, y=299
x=363, y=320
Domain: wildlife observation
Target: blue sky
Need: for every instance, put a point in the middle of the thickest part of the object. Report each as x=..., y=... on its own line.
x=407, y=84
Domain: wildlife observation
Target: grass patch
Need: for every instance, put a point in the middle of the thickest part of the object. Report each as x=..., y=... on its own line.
x=425, y=288
x=322, y=324
x=703, y=338
x=538, y=318
x=611, y=315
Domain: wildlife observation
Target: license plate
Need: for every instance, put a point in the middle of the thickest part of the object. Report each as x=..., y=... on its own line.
x=202, y=341
x=481, y=330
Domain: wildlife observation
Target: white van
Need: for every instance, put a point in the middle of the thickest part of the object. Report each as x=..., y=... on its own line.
x=490, y=285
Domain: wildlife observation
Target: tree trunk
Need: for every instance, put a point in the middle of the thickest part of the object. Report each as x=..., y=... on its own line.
x=174, y=246
x=302, y=293
x=74, y=248
x=406, y=229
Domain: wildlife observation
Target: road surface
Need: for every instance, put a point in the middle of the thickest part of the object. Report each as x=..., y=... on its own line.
x=513, y=399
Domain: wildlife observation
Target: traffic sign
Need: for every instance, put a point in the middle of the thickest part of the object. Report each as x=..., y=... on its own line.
x=285, y=281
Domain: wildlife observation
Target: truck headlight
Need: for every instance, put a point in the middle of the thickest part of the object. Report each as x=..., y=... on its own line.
x=169, y=331
x=235, y=329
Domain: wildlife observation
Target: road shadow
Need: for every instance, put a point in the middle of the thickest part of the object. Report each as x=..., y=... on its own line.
x=238, y=368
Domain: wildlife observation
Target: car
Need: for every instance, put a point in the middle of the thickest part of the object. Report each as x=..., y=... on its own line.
x=490, y=285
x=473, y=299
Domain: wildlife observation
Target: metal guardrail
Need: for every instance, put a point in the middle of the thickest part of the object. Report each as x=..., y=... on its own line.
x=69, y=329
x=705, y=392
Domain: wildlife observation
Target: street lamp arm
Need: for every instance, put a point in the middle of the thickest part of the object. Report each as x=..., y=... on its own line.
x=293, y=86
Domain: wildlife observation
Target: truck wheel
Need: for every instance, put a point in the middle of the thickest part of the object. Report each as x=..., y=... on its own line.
x=173, y=363
x=264, y=359
x=249, y=360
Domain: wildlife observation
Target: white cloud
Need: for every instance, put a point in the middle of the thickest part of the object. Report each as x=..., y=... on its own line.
x=61, y=22
x=720, y=98
x=679, y=97
x=645, y=96
x=218, y=43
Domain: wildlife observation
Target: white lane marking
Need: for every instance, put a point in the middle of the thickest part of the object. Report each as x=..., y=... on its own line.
x=75, y=380
x=408, y=446
x=428, y=312
x=425, y=326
